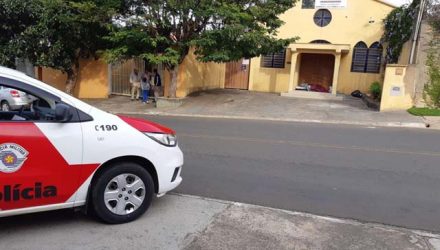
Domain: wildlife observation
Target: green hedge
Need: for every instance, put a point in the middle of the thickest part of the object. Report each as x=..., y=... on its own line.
x=424, y=111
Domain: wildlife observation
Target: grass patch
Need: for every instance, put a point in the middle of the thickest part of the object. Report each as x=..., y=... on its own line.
x=424, y=111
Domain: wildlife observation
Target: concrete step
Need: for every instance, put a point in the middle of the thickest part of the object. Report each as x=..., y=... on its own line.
x=313, y=95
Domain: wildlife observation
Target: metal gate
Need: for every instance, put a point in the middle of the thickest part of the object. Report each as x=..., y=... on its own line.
x=120, y=75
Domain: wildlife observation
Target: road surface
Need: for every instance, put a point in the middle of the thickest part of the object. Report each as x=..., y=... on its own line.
x=383, y=175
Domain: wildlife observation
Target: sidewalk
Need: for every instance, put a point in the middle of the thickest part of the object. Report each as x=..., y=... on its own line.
x=432, y=121
x=188, y=222
x=244, y=226
x=251, y=105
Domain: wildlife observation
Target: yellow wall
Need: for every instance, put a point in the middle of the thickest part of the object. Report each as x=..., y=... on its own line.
x=195, y=76
x=406, y=53
x=402, y=78
x=92, y=79
x=348, y=26
x=269, y=79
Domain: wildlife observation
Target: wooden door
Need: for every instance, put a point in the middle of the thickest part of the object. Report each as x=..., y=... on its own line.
x=317, y=69
x=237, y=74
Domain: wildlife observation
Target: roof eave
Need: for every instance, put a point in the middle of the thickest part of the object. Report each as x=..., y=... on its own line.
x=387, y=3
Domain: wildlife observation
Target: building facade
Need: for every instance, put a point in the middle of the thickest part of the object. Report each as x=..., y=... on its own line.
x=338, y=50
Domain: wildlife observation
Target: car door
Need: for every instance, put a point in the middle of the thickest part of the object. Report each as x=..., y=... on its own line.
x=39, y=157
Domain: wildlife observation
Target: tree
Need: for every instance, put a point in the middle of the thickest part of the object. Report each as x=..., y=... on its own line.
x=60, y=33
x=431, y=92
x=163, y=31
x=433, y=13
x=68, y=31
x=15, y=18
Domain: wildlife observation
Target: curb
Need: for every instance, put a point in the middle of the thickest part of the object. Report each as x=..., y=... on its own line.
x=375, y=124
x=354, y=222
x=431, y=122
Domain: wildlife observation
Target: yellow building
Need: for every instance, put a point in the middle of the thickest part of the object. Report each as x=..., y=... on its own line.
x=338, y=51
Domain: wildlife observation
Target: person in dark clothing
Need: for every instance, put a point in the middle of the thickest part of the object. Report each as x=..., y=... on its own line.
x=158, y=89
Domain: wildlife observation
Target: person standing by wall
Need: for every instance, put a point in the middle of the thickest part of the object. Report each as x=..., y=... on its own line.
x=158, y=90
x=145, y=86
x=135, y=81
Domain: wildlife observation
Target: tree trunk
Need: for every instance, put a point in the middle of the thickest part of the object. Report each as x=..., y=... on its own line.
x=173, y=84
x=25, y=66
x=72, y=77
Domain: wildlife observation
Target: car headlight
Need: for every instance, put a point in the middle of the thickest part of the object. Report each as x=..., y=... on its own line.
x=168, y=140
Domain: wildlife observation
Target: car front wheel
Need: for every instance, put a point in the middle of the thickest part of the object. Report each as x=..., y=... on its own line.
x=122, y=193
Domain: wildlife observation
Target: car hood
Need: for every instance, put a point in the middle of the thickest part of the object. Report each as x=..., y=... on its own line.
x=145, y=125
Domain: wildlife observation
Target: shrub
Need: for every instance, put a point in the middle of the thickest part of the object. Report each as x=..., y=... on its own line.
x=376, y=90
x=398, y=26
x=431, y=93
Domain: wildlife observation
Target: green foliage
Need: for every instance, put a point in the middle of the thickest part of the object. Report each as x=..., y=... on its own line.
x=399, y=25
x=54, y=33
x=15, y=18
x=424, y=111
x=220, y=31
x=57, y=33
x=431, y=93
x=433, y=14
x=163, y=31
x=67, y=31
x=376, y=90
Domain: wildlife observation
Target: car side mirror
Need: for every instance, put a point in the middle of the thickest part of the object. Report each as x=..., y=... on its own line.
x=63, y=112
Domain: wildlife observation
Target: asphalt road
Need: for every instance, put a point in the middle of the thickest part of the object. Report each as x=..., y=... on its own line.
x=383, y=175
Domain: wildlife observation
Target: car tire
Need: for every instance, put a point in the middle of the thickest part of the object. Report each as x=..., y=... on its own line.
x=5, y=106
x=122, y=193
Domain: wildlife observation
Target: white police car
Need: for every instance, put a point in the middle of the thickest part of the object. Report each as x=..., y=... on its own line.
x=64, y=153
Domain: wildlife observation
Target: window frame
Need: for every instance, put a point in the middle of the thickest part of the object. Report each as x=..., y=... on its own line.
x=367, y=66
x=320, y=41
x=361, y=67
x=273, y=56
x=376, y=46
x=78, y=115
x=322, y=17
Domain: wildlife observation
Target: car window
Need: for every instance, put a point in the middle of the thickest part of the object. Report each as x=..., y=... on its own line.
x=19, y=105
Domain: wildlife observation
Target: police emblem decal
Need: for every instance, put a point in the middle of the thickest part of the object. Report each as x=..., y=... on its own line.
x=12, y=157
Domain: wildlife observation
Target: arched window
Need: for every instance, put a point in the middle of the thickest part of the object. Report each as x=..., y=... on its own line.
x=320, y=41
x=322, y=17
x=374, y=59
x=360, y=55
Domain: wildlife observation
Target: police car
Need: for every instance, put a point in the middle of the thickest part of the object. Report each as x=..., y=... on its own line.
x=59, y=152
